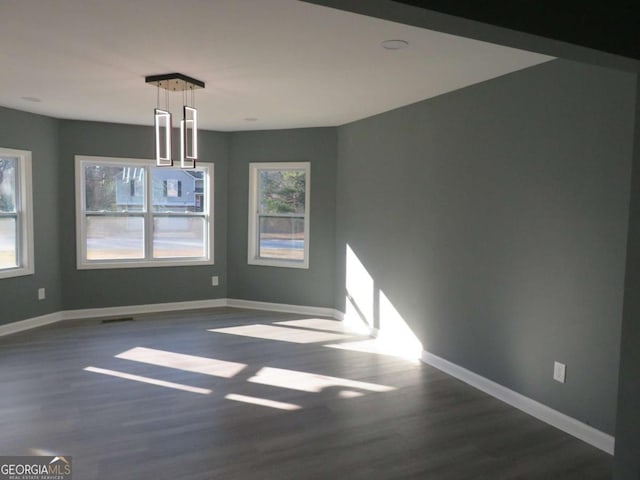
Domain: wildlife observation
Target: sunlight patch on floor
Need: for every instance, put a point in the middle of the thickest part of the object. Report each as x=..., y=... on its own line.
x=152, y=381
x=317, y=324
x=349, y=394
x=283, y=334
x=262, y=402
x=311, y=382
x=378, y=346
x=42, y=453
x=180, y=361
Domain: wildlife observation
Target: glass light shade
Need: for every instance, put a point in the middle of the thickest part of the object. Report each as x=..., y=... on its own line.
x=189, y=138
x=163, y=138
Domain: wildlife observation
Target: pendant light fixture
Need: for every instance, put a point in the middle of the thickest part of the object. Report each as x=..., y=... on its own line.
x=176, y=82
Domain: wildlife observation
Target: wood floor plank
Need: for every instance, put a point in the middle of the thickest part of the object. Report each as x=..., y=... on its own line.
x=358, y=415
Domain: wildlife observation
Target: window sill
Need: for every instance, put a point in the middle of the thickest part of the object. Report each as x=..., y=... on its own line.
x=15, y=272
x=278, y=263
x=110, y=264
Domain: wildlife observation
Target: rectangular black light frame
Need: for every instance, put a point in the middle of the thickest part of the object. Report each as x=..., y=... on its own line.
x=175, y=82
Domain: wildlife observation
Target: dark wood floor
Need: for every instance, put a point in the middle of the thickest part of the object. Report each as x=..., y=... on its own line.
x=402, y=420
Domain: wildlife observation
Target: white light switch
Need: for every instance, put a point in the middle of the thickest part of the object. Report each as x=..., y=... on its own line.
x=559, y=372
x=41, y=294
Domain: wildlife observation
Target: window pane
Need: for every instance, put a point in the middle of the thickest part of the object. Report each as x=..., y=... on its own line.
x=282, y=191
x=7, y=184
x=281, y=237
x=8, y=258
x=115, y=237
x=177, y=190
x=114, y=189
x=178, y=237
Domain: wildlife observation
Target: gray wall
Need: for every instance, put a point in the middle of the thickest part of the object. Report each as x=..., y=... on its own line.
x=69, y=288
x=276, y=284
x=135, y=286
x=494, y=218
x=18, y=296
x=627, y=455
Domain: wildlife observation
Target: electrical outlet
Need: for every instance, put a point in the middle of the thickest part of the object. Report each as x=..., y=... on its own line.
x=41, y=294
x=214, y=281
x=559, y=372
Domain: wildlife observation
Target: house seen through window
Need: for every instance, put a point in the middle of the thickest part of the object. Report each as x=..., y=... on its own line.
x=131, y=213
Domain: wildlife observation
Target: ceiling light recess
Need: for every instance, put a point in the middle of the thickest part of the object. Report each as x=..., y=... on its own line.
x=394, y=44
x=176, y=82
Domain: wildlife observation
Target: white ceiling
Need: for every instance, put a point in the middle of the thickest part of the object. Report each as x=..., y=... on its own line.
x=286, y=63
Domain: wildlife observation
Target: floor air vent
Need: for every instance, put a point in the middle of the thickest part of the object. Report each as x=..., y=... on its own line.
x=117, y=320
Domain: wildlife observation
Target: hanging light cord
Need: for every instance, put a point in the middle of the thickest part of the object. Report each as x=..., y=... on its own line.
x=166, y=98
x=185, y=96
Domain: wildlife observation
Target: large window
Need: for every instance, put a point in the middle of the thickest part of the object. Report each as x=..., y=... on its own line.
x=131, y=213
x=16, y=213
x=279, y=214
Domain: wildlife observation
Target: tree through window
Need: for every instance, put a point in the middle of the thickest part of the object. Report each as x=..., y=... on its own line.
x=279, y=220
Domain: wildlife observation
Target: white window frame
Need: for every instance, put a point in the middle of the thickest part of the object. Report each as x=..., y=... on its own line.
x=253, y=242
x=81, y=245
x=23, y=215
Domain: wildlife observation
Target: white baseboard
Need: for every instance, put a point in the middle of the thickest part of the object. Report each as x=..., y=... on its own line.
x=34, y=322
x=140, y=309
x=29, y=323
x=283, y=307
x=567, y=424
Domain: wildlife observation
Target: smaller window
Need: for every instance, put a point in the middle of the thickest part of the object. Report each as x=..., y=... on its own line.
x=279, y=214
x=16, y=214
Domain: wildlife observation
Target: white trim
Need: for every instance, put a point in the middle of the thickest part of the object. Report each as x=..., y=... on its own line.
x=252, y=229
x=29, y=323
x=79, y=314
x=146, y=213
x=55, y=317
x=282, y=307
x=140, y=309
x=24, y=209
x=81, y=247
x=567, y=424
